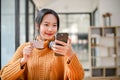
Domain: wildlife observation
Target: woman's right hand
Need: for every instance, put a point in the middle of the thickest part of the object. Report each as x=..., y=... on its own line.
x=26, y=53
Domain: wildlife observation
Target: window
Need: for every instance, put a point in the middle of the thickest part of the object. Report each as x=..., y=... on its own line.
x=7, y=30
x=77, y=26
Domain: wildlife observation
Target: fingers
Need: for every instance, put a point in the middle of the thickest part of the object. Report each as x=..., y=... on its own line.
x=32, y=44
x=63, y=43
x=27, y=50
x=60, y=42
x=63, y=48
x=60, y=49
x=69, y=41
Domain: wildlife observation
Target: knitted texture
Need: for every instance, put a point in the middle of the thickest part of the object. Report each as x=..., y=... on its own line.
x=42, y=65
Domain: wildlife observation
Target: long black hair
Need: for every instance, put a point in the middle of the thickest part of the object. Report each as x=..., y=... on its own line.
x=42, y=13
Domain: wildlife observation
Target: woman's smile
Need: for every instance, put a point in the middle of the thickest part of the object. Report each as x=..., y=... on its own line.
x=49, y=34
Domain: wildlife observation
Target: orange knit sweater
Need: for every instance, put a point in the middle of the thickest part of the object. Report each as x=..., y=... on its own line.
x=42, y=65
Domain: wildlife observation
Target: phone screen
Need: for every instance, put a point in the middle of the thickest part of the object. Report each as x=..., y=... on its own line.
x=62, y=37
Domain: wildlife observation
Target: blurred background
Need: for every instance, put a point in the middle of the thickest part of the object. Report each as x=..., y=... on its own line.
x=93, y=25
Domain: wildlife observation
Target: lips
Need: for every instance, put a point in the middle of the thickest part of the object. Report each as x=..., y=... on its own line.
x=49, y=34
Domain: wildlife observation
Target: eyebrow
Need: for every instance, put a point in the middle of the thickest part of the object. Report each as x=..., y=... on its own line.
x=48, y=22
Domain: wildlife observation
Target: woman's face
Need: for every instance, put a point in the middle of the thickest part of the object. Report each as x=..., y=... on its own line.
x=48, y=27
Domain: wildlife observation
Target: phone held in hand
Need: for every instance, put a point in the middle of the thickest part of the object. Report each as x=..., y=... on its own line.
x=61, y=37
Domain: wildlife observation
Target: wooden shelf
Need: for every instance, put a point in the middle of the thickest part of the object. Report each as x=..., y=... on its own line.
x=105, y=52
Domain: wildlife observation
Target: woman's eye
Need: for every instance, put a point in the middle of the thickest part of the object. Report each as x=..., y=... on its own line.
x=45, y=24
x=55, y=25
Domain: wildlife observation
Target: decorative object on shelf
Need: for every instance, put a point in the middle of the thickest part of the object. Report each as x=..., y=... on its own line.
x=104, y=19
x=107, y=19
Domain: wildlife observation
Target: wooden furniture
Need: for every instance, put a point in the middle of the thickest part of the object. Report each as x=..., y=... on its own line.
x=104, y=49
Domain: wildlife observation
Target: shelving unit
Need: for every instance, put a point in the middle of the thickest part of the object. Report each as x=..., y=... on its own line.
x=105, y=53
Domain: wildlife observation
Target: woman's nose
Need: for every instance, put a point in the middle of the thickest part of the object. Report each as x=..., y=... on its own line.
x=50, y=29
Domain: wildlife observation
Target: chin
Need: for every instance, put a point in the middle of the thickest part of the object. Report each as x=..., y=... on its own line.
x=48, y=38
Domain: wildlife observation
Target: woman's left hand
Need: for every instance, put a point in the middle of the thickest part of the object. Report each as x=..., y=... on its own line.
x=64, y=48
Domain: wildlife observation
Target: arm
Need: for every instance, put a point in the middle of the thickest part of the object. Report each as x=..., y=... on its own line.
x=13, y=69
x=73, y=69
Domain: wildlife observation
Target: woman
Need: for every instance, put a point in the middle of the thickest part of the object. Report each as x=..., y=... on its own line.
x=32, y=63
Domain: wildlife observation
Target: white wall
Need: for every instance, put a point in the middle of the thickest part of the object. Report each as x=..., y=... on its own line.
x=68, y=6
x=111, y=6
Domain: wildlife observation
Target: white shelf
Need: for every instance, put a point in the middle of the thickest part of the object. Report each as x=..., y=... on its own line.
x=105, y=51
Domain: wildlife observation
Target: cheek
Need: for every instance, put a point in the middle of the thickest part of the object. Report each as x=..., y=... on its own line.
x=55, y=29
x=42, y=29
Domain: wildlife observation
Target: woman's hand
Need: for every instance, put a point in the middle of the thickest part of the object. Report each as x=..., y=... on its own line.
x=26, y=53
x=65, y=49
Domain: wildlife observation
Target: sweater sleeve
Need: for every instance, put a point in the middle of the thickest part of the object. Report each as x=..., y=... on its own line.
x=13, y=69
x=74, y=70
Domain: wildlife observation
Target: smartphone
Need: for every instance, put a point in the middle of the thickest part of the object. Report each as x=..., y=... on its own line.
x=61, y=37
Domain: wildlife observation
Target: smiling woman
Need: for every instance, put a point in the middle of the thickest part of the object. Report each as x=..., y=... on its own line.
x=48, y=27
x=32, y=63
